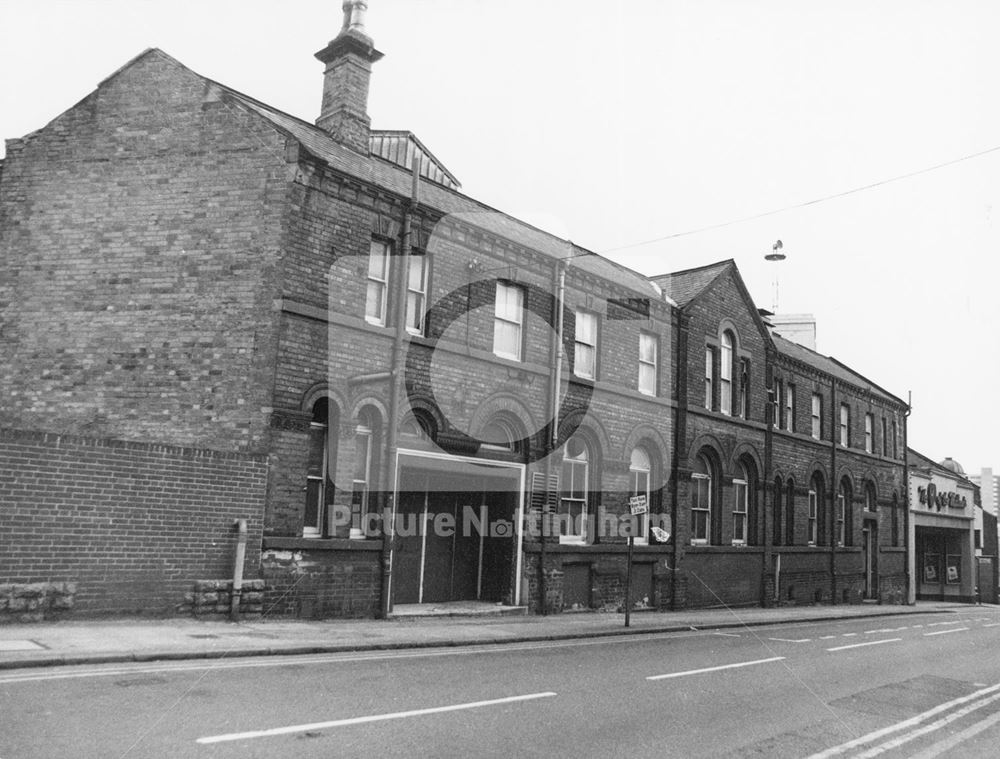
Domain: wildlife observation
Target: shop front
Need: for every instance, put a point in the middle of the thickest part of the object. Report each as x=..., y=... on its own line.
x=942, y=523
x=455, y=536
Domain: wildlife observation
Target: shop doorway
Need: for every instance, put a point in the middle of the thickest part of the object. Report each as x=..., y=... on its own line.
x=455, y=536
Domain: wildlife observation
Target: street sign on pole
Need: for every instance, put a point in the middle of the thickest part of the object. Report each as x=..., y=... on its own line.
x=637, y=505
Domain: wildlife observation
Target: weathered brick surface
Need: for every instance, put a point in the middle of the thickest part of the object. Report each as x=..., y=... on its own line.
x=128, y=525
x=321, y=583
x=139, y=235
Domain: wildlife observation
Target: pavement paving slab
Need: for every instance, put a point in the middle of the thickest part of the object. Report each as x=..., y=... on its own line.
x=121, y=640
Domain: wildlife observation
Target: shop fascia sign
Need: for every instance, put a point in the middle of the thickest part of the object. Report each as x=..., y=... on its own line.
x=931, y=497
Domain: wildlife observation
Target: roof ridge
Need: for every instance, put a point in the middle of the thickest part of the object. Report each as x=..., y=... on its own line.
x=694, y=269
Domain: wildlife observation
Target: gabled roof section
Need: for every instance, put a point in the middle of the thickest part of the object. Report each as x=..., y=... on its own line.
x=687, y=286
x=401, y=148
x=149, y=51
x=831, y=366
x=684, y=286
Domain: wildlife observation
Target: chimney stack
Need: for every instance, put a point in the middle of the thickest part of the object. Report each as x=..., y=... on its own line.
x=348, y=58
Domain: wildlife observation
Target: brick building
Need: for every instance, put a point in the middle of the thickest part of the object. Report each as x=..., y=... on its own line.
x=213, y=312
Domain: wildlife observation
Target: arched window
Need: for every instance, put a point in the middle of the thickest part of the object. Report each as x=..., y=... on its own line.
x=726, y=373
x=417, y=428
x=790, y=513
x=817, y=512
x=871, y=502
x=573, y=503
x=320, y=468
x=741, y=505
x=845, y=517
x=701, y=501
x=500, y=434
x=639, y=470
x=366, y=436
x=778, y=505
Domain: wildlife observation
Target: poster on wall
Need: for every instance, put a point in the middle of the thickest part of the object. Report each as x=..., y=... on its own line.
x=953, y=571
x=930, y=567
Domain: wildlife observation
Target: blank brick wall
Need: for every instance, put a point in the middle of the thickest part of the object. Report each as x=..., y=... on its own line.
x=132, y=524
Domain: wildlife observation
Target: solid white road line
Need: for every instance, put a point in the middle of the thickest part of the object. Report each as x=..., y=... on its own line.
x=936, y=725
x=945, y=632
x=371, y=718
x=867, y=643
x=714, y=669
x=843, y=748
x=949, y=743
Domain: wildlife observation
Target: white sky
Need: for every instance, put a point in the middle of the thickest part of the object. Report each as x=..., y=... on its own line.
x=615, y=123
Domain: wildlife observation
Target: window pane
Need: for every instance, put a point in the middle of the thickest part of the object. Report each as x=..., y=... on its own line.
x=647, y=379
x=647, y=348
x=639, y=460
x=415, y=312
x=417, y=273
x=586, y=327
x=740, y=489
x=584, y=361
x=378, y=261
x=373, y=306
x=509, y=302
x=361, y=456
x=314, y=494
x=726, y=358
x=507, y=338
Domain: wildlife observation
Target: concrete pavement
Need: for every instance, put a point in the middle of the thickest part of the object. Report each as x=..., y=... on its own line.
x=126, y=640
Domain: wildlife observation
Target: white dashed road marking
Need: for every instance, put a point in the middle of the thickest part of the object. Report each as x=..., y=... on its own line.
x=945, y=632
x=370, y=718
x=868, y=643
x=715, y=669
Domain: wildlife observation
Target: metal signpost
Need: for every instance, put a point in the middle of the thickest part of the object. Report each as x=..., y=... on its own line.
x=636, y=505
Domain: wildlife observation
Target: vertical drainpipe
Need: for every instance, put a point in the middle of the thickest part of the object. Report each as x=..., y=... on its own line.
x=831, y=492
x=395, y=387
x=556, y=354
x=911, y=589
x=768, y=484
x=680, y=433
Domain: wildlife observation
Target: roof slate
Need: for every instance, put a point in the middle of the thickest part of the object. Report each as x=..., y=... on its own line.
x=386, y=174
x=684, y=286
x=831, y=366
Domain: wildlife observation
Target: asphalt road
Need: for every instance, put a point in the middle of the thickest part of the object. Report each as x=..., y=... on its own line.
x=916, y=686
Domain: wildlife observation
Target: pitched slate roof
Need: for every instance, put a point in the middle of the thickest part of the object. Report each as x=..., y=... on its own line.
x=831, y=366
x=685, y=286
x=385, y=173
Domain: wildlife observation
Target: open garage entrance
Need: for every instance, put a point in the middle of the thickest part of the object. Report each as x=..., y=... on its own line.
x=455, y=530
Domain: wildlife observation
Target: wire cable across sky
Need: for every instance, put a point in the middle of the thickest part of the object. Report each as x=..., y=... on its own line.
x=813, y=202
